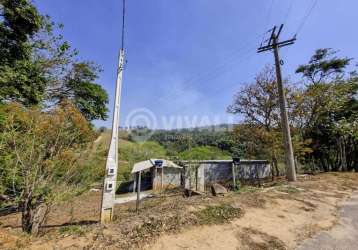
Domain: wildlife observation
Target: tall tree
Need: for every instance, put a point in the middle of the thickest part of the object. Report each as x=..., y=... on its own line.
x=21, y=21
x=328, y=105
x=39, y=67
x=21, y=78
x=258, y=104
x=324, y=65
x=79, y=87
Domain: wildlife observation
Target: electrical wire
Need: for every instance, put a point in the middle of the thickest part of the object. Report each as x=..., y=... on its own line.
x=269, y=13
x=220, y=69
x=233, y=55
x=215, y=72
x=306, y=16
x=268, y=19
x=123, y=22
x=212, y=73
x=288, y=12
x=218, y=87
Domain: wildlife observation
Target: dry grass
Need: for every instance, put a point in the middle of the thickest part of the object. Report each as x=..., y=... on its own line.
x=172, y=214
x=255, y=240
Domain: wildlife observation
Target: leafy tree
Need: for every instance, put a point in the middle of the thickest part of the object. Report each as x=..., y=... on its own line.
x=249, y=142
x=43, y=136
x=258, y=103
x=39, y=67
x=89, y=97
x=326, y=107
x=23, y=82
x=68, y=78
x=260, y=135
x=21, y=20
x=39, y=153
x=204, y=153
x=326, y=122
x=179, y=140
x=22, y=78
x=324, y=65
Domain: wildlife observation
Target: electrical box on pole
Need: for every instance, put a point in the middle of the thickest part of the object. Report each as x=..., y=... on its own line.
x=110, y=179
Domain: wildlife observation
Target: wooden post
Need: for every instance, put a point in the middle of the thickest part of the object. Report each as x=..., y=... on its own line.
x=196, y=178
x=135, y=183
x=138, y=190
x=189, y=172
x=156, y=179
x=162, y=177
x=234, y=175
x=257, y=175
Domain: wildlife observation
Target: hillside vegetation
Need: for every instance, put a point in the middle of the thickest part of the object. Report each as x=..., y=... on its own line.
x=50, y=151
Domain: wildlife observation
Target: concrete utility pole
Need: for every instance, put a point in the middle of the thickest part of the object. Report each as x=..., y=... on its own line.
x=110, y=180
x=274, y=44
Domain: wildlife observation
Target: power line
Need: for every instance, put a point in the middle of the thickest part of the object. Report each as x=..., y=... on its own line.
x=212, y=73
x=268, y=19
x=215, y=71
x=306, y=16
x=288, y=11
x=218, y=87
x=123, y=21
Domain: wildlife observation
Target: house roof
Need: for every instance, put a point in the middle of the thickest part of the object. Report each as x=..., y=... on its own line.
x=143, y=165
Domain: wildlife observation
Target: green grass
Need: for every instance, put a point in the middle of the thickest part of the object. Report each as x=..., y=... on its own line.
x=72, y=230
x=217, y=214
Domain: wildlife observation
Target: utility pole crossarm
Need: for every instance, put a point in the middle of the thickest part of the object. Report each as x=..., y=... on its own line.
x=271, y=42
x=280, y=44
x=274, y=44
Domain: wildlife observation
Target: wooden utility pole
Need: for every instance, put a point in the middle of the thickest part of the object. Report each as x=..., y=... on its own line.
x=274, y=44
x=138, y=190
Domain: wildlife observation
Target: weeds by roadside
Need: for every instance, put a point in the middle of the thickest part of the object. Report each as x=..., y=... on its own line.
x=72, y=230
x=218, y=214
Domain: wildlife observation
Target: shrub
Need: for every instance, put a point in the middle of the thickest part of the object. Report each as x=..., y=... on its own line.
x=218, y=214
x=38, y=154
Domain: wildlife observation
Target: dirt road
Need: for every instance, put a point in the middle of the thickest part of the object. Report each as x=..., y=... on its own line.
x=344, y=235
x=280, y=216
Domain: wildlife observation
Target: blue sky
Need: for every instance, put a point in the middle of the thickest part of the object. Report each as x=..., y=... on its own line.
x=187, y=58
